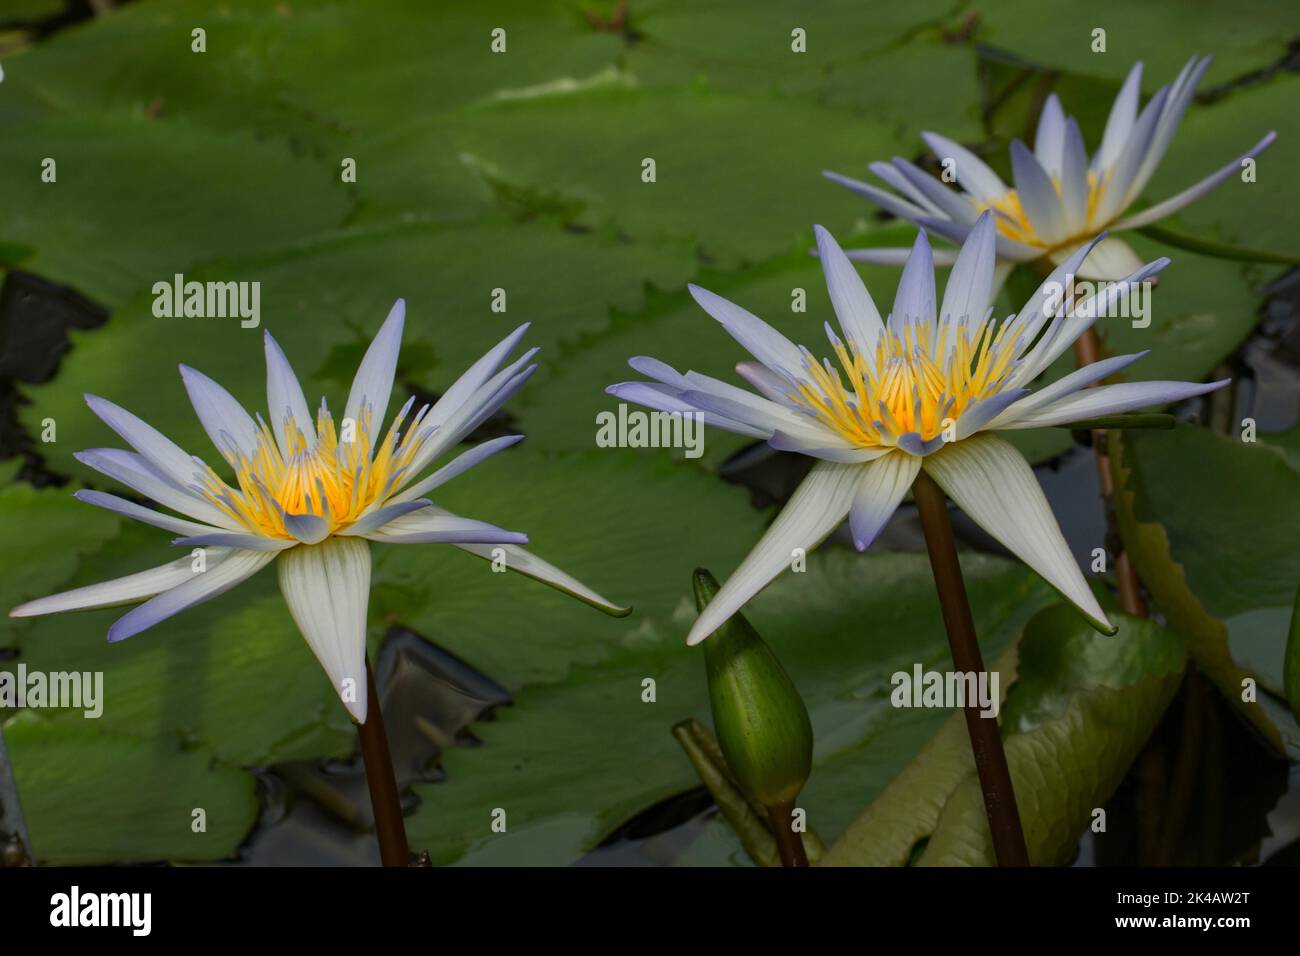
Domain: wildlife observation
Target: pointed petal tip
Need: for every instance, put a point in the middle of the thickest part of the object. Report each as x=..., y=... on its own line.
x=698, y=635
x=358, y=710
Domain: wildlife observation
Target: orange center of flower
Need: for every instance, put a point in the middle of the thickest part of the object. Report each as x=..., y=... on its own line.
x=1010, y=220
x=338, y=478
x=921, y=379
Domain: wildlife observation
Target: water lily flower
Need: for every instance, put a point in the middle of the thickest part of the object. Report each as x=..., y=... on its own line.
x=926, y=388
x=1061, y=198
x=307, y=495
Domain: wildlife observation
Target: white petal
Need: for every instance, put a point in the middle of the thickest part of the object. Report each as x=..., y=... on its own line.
x=124, y=590
x=458, y=466
x=1049, y=140
x=761, y=340
x=823, y=449
x=1038, y=196
x=137, y=474
x=882, y=484
x=768, y=415
x=1120, y=178
x=1074, y=180
x=284, y=396
x=1188, y=196
x=1180, y=97
x=373, y=384
x=244, y=541
x=978, y=416
x=1114, y=400
x=327, y=588
x=475, y=377
x=993, y=484
x=885, y=200
x=307, y=528
x=969, y=292
x=472, y=411
x=432, y=525
x=858, y=315
x=1048, y=302
x=1110, y=260
x=957, y=232
x=948, y=202
x=897, y=257
x=524, y=562
x=1066, y=385
x=237, y=567
x=1119, y=124
x=530, y=566
x=223, y=418
x=146, y=515
x=900, y=183
x=773, y=387
x=915, y=298
x=166, y=457
x=666, y=398
x=374, y=520
x=818, y=505
x=972, y=172
x=1077, y=319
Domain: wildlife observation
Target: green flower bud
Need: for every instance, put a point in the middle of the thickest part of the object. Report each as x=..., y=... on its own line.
x=760, y=720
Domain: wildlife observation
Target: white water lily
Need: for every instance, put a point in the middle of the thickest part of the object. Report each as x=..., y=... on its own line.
x=1061, y=198
x=923, y=389
x=307, y=497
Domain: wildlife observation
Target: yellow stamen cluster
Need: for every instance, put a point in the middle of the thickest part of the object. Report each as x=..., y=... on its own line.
x=332, y=479
x=1010, y=219
x=921, y=379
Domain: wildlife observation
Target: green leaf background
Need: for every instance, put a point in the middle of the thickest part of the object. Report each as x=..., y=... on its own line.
x=522, y=171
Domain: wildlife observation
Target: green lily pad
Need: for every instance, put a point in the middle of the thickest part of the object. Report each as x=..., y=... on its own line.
x=325, y=301
x=748, y=47
x=1243, y=37
x=630, y=527
x=1078, y=714
x=734, y=34
x=562, y=411
x=587, y=147
x=91, y=797
x=232, y=674
x=47, y=534
x=591, y=750
x=1247, y=213
x=137, y=200
x=1207, y=524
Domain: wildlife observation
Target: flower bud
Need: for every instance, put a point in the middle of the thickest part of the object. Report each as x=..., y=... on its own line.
x=760, y=720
